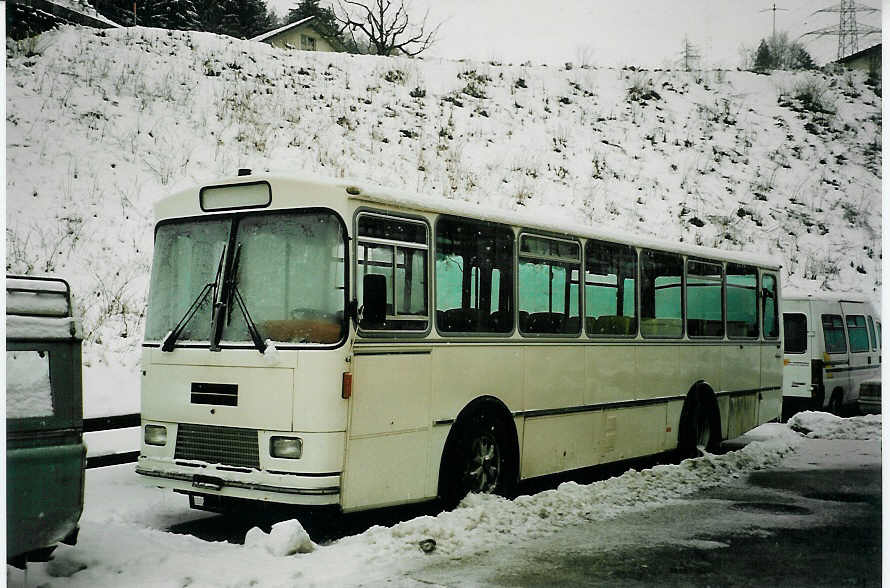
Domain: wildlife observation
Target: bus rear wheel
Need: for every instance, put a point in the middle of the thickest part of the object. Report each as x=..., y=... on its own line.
x=699, y=426
x=479, y=460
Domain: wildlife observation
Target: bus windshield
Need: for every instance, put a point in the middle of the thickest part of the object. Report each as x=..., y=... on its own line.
x=290, y=276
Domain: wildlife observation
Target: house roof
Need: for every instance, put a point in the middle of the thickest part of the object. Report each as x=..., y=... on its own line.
x=863, y=53
x=280, y=30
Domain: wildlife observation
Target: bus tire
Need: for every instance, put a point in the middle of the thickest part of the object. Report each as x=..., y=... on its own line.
x=699, y=423
x=480, y=457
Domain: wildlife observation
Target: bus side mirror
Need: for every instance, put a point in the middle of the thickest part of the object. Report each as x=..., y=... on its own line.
x=374, y=299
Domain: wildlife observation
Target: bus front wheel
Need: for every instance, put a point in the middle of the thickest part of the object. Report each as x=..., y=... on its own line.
x=479, y=460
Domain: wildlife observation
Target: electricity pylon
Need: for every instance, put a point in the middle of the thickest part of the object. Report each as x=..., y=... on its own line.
x=848, y=29
x=773, y=10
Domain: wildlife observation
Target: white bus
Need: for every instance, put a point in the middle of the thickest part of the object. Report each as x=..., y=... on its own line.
x=315, y=342
x=832, y=346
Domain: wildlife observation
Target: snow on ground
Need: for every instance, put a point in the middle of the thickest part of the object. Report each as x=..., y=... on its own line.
x=124, y=524
x=822, y=425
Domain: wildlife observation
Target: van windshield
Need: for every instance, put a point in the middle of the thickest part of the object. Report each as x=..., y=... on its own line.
x=290, y=276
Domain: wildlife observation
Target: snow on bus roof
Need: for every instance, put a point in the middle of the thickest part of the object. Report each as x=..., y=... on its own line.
x=555, y=224
x=365, y=191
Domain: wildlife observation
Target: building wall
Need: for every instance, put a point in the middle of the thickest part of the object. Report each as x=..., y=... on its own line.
x=869, y=62
x=292, y=39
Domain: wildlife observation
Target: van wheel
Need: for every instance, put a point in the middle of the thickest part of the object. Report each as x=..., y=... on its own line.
x=480, y=460
x=836, y=404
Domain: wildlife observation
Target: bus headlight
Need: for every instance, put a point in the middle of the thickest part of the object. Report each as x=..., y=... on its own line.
x=286, y=447
x=155, y=435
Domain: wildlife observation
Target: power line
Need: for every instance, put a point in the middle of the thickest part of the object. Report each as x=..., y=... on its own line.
x=848, y=29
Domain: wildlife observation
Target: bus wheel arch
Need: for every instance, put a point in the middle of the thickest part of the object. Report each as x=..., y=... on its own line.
x=481, y=452
x=699, y=427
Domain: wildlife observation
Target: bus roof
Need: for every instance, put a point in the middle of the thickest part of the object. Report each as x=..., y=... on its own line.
x=374, y=193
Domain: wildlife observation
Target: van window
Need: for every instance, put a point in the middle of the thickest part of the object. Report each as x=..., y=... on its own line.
x=858, y=333
x=28, y=386
x=795, y=332
x=880, y=341
x=871, y=333
x=833, y=330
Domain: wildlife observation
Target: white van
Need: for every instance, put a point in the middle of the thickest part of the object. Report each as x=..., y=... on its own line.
x=832, y=345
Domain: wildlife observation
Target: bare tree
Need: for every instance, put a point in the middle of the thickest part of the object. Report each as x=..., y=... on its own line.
x=690, y=55
x=386, y=26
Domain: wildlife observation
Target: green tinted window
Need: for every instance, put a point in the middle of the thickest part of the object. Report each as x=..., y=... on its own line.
x=741, y=301
x=610, y=273
x=661, y=294
x=858, y=333
x=704, y=299
x=833, y=331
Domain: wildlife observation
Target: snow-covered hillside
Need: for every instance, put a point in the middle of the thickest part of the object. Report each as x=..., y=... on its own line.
x=101, y=124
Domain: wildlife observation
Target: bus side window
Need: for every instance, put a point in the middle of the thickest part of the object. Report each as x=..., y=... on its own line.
x=610, y=273
x=661, y=294
x=770, y=311
x=549, y=285
x=871, y=333
x=833, y=331
x=741, y=301
x=397, y=249
x=704, y=299
x=474, y=276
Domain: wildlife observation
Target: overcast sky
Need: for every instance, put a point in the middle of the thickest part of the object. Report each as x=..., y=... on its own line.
x=647, y=33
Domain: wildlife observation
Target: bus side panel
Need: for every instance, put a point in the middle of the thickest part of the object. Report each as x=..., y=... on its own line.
x=660, y=371
x=770, y=381
x=562, y=442
x=387, y=451
x=611, y=373
x=741, y=361
x=554, y=376
x=482, y=371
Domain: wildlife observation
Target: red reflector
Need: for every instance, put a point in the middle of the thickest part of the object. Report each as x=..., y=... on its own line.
x=346, y=392
x=668, y=429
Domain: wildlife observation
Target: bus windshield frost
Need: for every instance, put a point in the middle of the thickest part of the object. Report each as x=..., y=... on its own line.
x=283, y=272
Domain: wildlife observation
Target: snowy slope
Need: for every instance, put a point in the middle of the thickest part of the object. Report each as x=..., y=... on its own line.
x=101, y=124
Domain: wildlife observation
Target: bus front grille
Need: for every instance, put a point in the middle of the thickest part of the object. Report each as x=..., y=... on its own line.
x=221, y=445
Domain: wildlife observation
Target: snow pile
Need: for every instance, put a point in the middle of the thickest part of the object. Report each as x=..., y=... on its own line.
x=484, y=520
x=285, y=538
x=822, y=425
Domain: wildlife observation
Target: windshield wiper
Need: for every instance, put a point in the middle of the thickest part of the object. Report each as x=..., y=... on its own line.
x=223, y=310
x=170, y=340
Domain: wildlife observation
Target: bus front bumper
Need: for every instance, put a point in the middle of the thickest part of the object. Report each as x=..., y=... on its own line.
x=207, y=480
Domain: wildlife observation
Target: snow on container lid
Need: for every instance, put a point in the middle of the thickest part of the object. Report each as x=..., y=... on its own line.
x=39, y=308
x=37, y=297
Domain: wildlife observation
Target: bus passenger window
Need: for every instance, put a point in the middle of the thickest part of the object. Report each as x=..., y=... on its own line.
x=395, y=248
x=770, y=314
x=474, y=277
x=858, y=333
x=610, y=273
x=833, y=331
x=704, y=299
x=549, y=285
x=741, y=301
x=661, y=294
